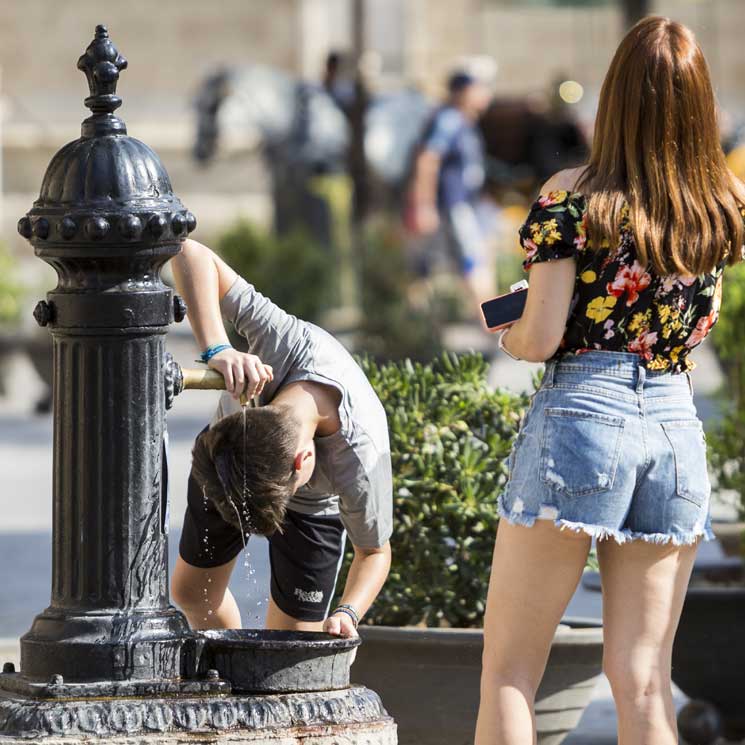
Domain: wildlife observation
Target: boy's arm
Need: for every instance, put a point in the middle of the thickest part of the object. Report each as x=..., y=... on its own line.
x=366, y=578
x=202, y=279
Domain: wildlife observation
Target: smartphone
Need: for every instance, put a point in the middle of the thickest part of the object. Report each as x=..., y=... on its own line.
x=501, y=311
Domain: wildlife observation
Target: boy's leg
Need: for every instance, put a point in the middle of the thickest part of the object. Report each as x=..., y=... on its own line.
x=204, y=597
x=305, y=561
x=278, y=619
x=208, y=550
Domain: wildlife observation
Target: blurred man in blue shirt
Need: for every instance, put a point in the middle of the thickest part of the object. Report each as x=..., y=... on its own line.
x=448, y=177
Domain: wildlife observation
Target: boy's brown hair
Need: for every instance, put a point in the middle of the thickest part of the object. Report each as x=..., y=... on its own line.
x=245, y=465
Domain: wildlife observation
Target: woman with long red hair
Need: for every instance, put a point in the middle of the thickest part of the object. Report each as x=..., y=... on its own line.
x=626, y=259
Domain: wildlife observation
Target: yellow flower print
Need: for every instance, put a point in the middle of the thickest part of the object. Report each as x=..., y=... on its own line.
x=589, y=276
x=599, y=308
x=547, y=231
x=675, y=353
x=640, y=321
x=658, y=363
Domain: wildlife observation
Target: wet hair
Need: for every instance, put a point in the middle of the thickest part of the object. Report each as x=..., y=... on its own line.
x=226, y=458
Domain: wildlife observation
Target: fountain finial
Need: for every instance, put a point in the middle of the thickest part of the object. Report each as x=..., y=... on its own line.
x=102, y=63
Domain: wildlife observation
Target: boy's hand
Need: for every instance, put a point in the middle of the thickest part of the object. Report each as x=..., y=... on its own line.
x=243, y=373
x=340, y=624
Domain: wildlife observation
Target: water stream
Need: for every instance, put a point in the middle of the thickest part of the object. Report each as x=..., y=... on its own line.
x=246, y=529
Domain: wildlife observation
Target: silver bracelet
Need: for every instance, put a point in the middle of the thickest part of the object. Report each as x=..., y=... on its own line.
x=501, y=345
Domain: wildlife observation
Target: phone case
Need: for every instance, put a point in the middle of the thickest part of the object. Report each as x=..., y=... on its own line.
x=503, y=310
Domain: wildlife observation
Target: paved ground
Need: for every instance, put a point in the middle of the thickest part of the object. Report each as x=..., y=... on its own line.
x=25, y=505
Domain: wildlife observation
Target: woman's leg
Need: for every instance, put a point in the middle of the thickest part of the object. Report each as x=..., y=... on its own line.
x=644, y=586
x=204, y=597
x=534, y=574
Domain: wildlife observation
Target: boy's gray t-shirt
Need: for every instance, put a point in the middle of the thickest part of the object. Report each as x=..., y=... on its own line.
x=352, y=476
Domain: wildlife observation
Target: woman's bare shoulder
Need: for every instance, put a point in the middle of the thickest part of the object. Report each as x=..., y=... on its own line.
x=565, y=180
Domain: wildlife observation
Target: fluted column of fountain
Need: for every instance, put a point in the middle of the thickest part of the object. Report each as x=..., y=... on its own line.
x=107, y=220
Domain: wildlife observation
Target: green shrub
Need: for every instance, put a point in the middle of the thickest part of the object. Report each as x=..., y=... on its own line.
x=294, y=271
x=726, y=439
x=11, y=291
x=728, y=336
x=396, y=322
x=450, y=436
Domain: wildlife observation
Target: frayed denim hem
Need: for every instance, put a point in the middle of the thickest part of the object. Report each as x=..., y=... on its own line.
x=601, y=533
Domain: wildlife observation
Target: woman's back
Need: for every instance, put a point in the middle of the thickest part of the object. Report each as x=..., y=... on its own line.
x=619, y=304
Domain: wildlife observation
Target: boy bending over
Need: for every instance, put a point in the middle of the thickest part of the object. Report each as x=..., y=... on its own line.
x=306, y=467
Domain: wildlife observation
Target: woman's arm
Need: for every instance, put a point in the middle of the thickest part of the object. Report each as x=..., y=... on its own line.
x=366, y=577
x=537, y=334
x=202, y=279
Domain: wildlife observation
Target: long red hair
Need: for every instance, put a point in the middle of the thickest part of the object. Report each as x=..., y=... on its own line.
x=657, y=149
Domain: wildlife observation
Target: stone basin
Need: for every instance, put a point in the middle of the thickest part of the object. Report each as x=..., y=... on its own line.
x=267, y=661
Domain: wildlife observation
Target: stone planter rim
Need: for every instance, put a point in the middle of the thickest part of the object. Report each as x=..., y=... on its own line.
x=576, y=630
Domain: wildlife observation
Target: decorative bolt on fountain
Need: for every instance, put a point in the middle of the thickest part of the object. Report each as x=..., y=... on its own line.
x=111, y=658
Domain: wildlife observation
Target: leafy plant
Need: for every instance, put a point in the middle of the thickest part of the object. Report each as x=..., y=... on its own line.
x=399, y=317
x=726, y=439
x=295, y=272
x=450, y=437
x=11, y=290
x=728, y=335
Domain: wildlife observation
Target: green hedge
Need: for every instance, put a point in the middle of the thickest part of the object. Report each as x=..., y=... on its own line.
x=11, y=291
x=726, y=439
x=294, y=271
x=450, y=437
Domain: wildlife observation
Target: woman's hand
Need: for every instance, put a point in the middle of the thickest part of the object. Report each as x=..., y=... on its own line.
x=340, y=624
x=244, y=373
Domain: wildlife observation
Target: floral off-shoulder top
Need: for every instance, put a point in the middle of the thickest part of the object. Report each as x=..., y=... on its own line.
x=618, y=305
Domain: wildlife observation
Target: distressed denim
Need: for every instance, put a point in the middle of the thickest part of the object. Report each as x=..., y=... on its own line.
x=612, y=449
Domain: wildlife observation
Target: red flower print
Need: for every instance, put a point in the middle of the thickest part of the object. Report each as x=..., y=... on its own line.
x=630, y=280
x=552, y=198
x=581, y=239
x=643, y=344
x=702, y=329
x=530, y=249
x=704, y=324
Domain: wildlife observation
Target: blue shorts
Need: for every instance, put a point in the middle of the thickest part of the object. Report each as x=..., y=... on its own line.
x=612, y=449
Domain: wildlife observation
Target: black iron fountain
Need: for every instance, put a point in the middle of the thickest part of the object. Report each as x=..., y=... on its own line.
x=111, y=659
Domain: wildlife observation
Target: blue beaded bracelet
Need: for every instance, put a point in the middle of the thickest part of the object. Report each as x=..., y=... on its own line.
x=214, y=349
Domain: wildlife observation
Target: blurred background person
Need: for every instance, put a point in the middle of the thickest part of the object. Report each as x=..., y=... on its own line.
x=447, y=180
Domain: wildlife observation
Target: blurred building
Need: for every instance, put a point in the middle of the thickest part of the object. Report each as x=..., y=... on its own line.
x=173, y=44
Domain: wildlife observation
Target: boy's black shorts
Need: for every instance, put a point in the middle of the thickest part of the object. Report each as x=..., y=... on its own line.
x=305, y=557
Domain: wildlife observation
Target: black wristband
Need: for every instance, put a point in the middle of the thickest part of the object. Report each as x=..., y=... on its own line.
x=349, y=611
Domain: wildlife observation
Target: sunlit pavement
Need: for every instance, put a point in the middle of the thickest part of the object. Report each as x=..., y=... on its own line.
x=26, y=506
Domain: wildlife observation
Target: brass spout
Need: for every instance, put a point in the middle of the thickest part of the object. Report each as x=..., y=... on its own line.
x=203, y=380
x=206, y=380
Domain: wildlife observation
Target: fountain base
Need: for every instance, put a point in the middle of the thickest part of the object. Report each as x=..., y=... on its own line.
x=354, y=716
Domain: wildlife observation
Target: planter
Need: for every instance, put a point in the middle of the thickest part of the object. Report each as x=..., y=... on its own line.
x=430, y=680
x=709, y=661
x=731, y=537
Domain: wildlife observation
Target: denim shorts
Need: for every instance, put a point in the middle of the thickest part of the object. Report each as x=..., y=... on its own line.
x=612, y=449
